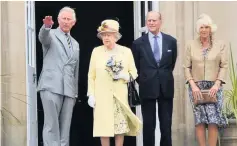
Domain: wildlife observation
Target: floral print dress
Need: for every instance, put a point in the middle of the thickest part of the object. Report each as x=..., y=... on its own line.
x=120, y=119
x=209, y=113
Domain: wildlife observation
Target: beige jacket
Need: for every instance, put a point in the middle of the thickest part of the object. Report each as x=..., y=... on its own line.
x=210, y=68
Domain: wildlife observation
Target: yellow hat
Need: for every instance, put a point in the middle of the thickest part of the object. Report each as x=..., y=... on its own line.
x=109, y=26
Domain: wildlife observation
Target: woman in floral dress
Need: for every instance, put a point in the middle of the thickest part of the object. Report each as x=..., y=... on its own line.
x=205, y=66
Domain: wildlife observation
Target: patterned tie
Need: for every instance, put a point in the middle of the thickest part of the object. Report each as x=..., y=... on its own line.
x=156, y=50
x=68, y=41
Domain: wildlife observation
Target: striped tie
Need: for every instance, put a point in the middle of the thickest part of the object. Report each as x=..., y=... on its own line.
x=68, y=41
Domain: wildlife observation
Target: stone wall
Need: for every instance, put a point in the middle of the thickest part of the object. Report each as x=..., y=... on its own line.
x=13, y=74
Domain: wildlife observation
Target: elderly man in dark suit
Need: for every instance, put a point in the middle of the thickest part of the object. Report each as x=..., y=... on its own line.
x=155, y=55
x=58, y=83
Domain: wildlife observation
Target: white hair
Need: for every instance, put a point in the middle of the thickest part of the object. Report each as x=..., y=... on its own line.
x=68, y=9
x=204, y=19
x=159, y=17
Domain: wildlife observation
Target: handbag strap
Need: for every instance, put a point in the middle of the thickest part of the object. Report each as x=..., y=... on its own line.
x=130, y=77
x=131, y=81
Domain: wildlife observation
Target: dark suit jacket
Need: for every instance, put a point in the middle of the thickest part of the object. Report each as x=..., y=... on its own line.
x=154, y=79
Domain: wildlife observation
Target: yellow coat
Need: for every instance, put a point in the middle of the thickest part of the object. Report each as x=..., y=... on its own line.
x=104, y=89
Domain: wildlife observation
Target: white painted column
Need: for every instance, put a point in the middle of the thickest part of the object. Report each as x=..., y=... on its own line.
x=155, y=6
x=0, y=72
x=137, y=18
x=137, y=34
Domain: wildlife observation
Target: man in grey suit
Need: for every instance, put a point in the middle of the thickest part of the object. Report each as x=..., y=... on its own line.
x=58, y=83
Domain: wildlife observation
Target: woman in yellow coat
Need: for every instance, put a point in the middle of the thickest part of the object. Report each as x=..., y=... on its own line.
x=109, y=70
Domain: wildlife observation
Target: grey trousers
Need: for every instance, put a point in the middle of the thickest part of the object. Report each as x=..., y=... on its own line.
x=57, y=118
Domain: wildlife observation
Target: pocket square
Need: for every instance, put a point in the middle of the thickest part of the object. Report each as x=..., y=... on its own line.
x=169, y=50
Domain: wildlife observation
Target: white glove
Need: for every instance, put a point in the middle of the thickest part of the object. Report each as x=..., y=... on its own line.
x=121, y=76
x=91, y=101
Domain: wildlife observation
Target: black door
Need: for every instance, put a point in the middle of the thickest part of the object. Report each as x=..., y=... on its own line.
x=89, y=16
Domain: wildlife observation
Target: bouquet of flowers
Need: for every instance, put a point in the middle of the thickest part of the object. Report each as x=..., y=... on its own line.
x=113, y=67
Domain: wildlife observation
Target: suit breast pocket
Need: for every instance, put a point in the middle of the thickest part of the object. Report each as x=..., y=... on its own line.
x=168, y=52
x=168, y=55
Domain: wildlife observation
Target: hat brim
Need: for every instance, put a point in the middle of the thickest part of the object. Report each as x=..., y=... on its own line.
x=109, y=31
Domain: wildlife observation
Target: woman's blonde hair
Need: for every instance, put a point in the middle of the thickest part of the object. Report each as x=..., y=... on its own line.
x=204, y=19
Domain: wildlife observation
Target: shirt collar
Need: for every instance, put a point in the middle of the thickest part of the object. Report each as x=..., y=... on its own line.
x=60, y=30
x=151, y=35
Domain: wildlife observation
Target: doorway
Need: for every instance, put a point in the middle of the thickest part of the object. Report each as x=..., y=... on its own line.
x=89, y=16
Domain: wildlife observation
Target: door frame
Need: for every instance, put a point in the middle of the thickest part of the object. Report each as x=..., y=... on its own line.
x=31, y=92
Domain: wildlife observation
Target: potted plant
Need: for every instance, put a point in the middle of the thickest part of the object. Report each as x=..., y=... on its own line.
x=229, y=135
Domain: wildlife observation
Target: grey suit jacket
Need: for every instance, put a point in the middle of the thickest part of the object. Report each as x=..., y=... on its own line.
x=60, y=64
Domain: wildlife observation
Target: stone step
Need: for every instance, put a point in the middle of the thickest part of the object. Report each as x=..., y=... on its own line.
x=229, y=141
x=229, y=138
